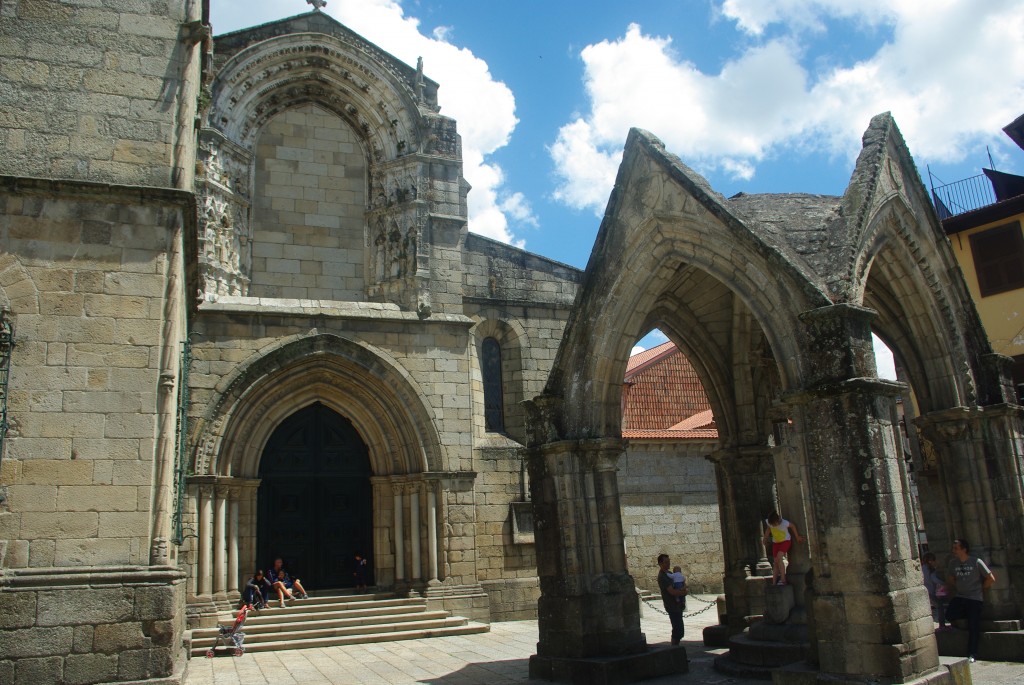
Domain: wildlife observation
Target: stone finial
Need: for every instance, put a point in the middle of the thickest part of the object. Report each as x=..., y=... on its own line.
x=317, y=4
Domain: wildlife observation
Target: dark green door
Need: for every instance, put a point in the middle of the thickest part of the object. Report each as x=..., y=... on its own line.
x=315, y=508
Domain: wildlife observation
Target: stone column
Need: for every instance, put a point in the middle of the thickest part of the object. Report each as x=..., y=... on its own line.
x=588, y=605
x=745, y=477
x=432, y=531
x=233, y=533
x=1002, y=431
x=979, y=456
x=247, y=536
x=381, y=551
x=220, y=519
x=205, y=543
x=414, y=531
x=399, y=533
x=871, y=612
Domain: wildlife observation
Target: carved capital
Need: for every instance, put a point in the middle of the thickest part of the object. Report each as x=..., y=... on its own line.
x=839, y=343
x=744, y=460
x=946, y=426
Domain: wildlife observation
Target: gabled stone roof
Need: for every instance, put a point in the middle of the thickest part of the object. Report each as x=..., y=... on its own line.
x=799, y=220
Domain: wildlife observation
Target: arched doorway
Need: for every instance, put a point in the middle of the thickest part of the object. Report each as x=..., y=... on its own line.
x=315, y=507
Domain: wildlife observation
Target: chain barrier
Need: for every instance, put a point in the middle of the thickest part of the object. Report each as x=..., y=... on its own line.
x=649, y=602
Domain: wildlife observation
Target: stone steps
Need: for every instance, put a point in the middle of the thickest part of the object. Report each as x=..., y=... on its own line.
x=756, y=659
x=341, y=620
x=1004, y=645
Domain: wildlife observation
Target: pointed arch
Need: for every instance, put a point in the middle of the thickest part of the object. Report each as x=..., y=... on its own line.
x=261, y=80
x=362, y=384
x=925, y=317
x=688, y=229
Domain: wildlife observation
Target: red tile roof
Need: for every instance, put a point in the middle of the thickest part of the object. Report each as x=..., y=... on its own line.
x=663, y=397
x=704, y=419
x=662, y=390
x=643, y=357
x=700, y=433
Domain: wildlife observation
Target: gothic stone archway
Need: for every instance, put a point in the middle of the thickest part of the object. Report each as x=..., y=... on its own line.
x=797, y=266
x=315, y=506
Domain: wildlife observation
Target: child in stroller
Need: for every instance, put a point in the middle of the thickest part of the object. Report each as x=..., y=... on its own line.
x=232, y=633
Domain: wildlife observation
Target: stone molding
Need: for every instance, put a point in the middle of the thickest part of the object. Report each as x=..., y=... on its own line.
x=102, y=192
x=60, y=577
x=355, y=311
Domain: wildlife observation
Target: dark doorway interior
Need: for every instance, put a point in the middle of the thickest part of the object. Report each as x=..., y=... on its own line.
x=315, y=506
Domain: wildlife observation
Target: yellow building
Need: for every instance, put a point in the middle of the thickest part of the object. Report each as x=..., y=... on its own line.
x=982, y=216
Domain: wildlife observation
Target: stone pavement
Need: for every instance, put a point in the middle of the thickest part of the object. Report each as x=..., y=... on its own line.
x=495, y=658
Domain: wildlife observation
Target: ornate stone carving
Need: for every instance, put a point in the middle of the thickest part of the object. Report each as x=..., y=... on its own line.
x=222, y=186
x=439, y=137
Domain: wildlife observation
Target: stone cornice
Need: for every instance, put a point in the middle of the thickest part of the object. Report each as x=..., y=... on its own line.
x=61, y=577
x=108, y=192
x=871, y=386
x=366, y=311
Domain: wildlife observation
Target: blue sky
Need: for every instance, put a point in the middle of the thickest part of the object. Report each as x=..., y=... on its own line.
x=757, y=95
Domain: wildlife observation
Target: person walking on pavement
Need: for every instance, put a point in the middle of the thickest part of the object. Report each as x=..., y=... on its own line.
x=971, y=577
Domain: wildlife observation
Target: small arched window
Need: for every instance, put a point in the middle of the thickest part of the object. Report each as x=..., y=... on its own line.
x=494, y=404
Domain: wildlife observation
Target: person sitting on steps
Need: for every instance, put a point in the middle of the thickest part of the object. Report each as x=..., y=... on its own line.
x=257, y=591
x=284, y=584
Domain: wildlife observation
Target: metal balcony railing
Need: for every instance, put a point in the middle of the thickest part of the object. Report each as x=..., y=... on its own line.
x=963, y=196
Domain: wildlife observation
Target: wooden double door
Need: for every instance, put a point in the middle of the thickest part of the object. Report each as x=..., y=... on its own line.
x=315, y=507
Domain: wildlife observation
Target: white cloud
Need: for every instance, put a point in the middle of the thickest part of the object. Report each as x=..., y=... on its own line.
x=587, y=163
x=884, y=361
x=653, y=338
x=753, y=16
x=952, y=74
x=483, y=106
x=518, y=207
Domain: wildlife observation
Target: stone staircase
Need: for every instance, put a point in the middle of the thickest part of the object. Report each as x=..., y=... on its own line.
x=1000, y=641
x=338, y=620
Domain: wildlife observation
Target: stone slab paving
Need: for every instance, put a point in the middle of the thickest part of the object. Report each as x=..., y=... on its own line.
x=495, y=658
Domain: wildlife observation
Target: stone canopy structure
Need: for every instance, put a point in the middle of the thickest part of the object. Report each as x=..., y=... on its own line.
x=774, y=299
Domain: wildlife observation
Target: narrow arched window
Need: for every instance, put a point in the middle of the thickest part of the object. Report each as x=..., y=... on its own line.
x=494, y=404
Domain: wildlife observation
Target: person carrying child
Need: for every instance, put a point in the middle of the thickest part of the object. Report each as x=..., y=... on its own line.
x=670, y=596
x=678, y=582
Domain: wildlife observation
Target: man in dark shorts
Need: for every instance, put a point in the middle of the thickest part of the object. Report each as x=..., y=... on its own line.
x=670, y=597
x=971, y=577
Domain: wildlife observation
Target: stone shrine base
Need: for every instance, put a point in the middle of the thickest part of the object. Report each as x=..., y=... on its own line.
x=654, y=663
x=951, y=671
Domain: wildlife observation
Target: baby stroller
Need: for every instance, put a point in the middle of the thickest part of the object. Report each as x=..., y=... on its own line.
x=232, y=633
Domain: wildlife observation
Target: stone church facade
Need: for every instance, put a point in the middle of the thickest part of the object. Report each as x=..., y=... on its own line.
x=247, y=320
